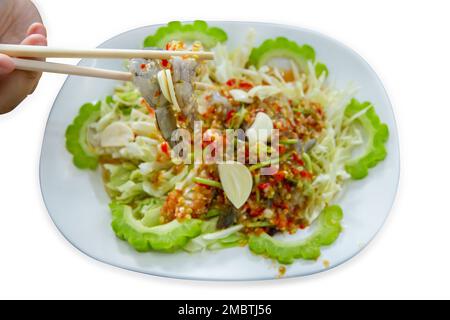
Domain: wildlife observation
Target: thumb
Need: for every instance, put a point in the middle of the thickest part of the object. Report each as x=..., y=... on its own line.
x=6, y=65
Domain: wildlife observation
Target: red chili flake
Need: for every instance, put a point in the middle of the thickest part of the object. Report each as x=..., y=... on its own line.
x=279, y=176
x=256, y=212
x=210, y=110
x=143, y=66
x=288, y=187
x=245, y=85
x=281, y=205
x=277, y=107
x=202, y=185
x=205, y=144
x=230, y=115
x=282, y=149
x=306, y=174
x=247, y=152
x=151, y=111
x=302, y=226
x=298, y=159
x=182, y=117
x=165, y=148
x=231, y=82
x=165, y=63
x=263, y=186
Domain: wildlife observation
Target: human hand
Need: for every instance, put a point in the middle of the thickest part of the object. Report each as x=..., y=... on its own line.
x=20, y=22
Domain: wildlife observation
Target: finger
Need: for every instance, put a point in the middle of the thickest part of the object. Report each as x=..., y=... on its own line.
x=37, y=28
x=35, y=40
x=14, y=88
x=6, y=65
x=31, y=77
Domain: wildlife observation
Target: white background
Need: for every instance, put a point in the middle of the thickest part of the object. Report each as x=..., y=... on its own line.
x=406, y=42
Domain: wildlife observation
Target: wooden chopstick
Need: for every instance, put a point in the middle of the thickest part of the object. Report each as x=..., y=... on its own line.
x=39, y=66
x=47, y=52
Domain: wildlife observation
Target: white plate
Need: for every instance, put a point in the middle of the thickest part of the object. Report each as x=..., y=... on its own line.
x=78, y=203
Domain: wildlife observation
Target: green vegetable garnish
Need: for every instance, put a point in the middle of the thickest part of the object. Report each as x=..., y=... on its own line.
x=308, y=162
x=320, y=69
x=76, y=137
x=269, y=162
x=328, y=230
x=197, y=31
x=214, y=212
x=260, y=224
x=289, y=142
x=167, y=238
x=377, y=133
x=238, y=118
x=207, y=182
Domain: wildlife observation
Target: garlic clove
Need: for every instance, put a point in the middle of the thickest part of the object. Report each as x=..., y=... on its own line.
x=237, y=182
x=261, y=128
x=116, y=134
x=171, y=90
x=162, y=81
x=240, y=96
x=263, y=92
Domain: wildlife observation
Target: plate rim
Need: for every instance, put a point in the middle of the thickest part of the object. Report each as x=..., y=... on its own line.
x=217, y=279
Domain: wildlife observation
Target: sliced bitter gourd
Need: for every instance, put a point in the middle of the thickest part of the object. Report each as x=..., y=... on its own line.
x=167, y=237
x=282, y=47
x=76, y=137
x=377, y=135
x=328, y=230
x=197, y=31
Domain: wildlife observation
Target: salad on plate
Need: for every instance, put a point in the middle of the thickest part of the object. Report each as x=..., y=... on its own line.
x=207, y=155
